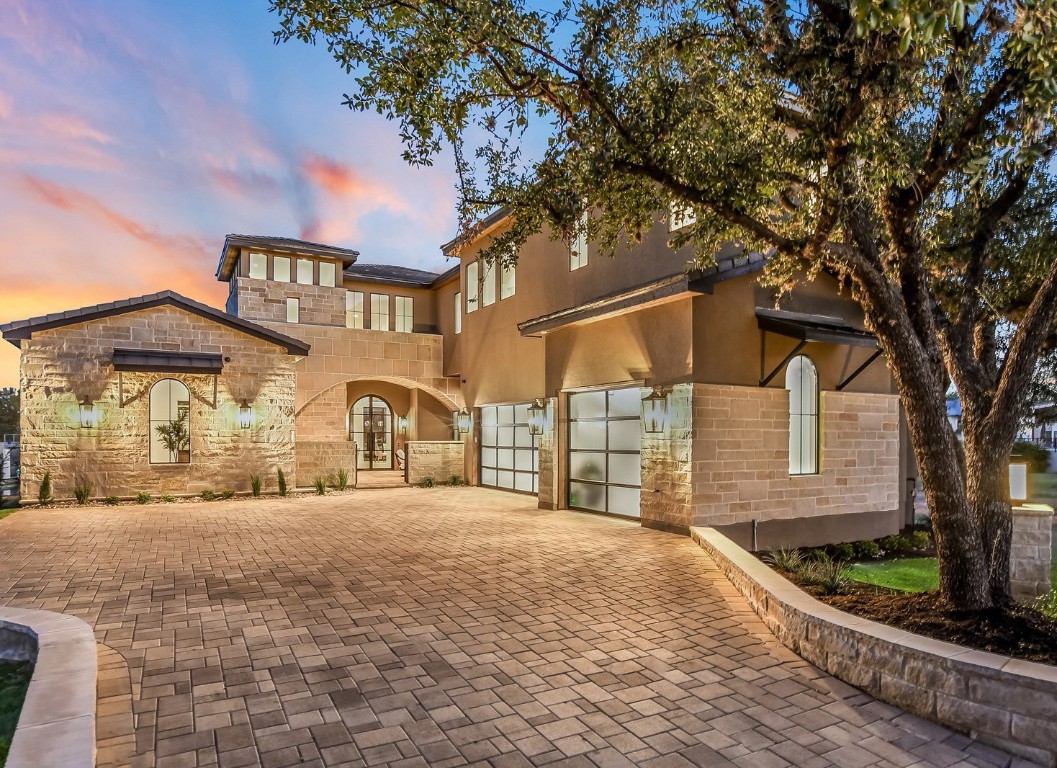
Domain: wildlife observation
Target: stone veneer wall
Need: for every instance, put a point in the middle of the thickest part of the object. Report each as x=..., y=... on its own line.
x=667, y=482
x=548, y=458
x=1005, y=702
x=1031, y=551
x=741, y=456
x=324, y=459
x=265, y=301
x=437, y=459
x=62, y=366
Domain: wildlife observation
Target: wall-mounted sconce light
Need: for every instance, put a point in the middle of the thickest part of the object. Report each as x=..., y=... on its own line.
x=246, y=415
x=537, y=417
x=465, y=421
x=401, y=424
x=89, y=414
x=1018, y=480
x=654, y=411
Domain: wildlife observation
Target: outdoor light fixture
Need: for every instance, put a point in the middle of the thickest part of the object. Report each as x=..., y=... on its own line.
x=89, y=415
x=537, y=417
x=245, y=415
x=654, y=411
x=465, y=421
x=1018, y=479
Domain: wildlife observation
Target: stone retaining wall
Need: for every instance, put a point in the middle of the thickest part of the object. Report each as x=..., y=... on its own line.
x=324, y=459
x=1008, y=703
x=437, y=459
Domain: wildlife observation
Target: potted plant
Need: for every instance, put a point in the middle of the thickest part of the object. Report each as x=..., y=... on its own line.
x=177, y=440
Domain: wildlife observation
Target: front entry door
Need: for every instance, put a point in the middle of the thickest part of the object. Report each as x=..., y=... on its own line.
x=371, y=428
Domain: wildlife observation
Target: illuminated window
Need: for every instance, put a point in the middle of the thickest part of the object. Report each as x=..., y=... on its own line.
x=293, y=310
x=488, y=284
x=380, y=311
x=506, y=278
x=680, y=217
x=458, y=312
x=578, y=246
x=281, y=269
x=473, y=287
x=304, y=271
x=405, y=314
x=170, y=423
x=354, y=309
x=259, y=266
x=801, y=380
x=327, y=273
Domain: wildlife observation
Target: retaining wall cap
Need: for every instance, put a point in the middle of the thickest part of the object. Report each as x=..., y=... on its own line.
x=1033, y=510
x=57, y=723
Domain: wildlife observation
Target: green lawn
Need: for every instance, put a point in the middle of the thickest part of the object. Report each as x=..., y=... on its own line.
x=14, y=680
x=912, y=574
x=1044, y=488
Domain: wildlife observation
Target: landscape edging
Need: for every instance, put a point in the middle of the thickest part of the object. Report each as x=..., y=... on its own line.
x=57, y=722
x=1007, y=703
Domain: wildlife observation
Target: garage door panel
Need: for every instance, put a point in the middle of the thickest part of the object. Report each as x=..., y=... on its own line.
x=625, y=468
x=587, y=435
x=587, y=466
x=624, y=501
x=509, y=451
x=587, y=496
x=605, y=463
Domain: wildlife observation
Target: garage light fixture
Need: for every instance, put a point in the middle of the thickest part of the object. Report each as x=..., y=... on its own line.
x=89, y=414
x=654, y=411
x=465, y=421
x=537, y=417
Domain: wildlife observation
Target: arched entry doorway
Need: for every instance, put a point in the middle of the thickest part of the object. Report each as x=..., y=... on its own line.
x=371, y=428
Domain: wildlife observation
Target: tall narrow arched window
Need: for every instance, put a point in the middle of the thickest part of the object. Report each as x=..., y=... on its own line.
x=801, y=379
x=170, y=423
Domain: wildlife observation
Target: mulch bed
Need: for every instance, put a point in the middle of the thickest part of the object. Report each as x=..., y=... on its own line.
x=1017, y=631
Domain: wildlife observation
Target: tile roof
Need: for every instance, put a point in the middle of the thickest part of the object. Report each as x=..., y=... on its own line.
x=16, y=330
x=390, y=273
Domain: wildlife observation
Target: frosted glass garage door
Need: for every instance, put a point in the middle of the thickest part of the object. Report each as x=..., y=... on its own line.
x=509, y=452
x=605, y=470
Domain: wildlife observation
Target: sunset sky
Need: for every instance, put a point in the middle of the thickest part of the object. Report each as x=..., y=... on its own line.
x=134, y=135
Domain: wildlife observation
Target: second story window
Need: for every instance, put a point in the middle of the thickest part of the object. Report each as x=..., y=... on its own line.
x=578, y=246
x=379, y=312
x=327, y=273
x=506, y=279
x=259, y=266
x=281, y=269
x=293, y=310
x=304, y=271
x=354, y=309
x=458, y=312
x=473, y=286
x=488, y=284
x=680, y=217
x=405, y=314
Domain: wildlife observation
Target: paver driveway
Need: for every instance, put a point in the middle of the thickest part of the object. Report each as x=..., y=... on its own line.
x=441, y=627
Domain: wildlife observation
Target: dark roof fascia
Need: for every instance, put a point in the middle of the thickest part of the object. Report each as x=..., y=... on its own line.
x=478, y=229
x=444, y=277
x=705, y=280
x=283, y=244
x=160, y=360
x=24, y=329
x=804, y=327
x=626, y=299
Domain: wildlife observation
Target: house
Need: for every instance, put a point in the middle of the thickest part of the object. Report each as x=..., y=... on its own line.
x=629, y=385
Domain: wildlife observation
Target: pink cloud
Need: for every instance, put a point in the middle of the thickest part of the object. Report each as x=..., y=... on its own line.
x=68, y=126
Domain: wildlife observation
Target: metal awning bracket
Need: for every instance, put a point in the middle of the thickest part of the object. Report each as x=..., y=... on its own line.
x=855, y=374
x=767, y=379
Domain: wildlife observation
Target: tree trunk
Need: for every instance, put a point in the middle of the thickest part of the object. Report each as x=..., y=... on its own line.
x=987, y=490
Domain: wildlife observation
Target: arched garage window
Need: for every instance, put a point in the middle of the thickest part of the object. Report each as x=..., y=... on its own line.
x=170, y=423
x=801, y=379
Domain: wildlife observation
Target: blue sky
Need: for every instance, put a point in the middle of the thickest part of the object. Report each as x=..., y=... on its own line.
x=135, y=135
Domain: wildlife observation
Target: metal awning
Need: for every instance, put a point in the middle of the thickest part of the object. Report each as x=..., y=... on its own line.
x=164, y=361
x=807, y=328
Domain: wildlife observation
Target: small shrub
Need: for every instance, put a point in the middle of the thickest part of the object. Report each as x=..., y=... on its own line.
x=428, y=482
x=343, y=479
x=321, y=485
x=1047, y=604
x=207, y=495
x=843, y=552
x=143, y=497
x=168, y=498
x=44, y=492
x=282, y=482
x=455, y=480
x=255, y=485
x=920, y=540
x=227, y=493
x=82, y=491
x=111, y=501
x=923, y=521
x=784, y=559
x=830, y=577
x=818, y=555
x=896, y=544
x=868, y=550
x=1036, y=456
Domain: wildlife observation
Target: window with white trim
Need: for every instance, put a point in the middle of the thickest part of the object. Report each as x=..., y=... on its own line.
x=578, y=246
x=304, y=271
x=281, y=268
x=354, y=309
x=488, y=284
x=801, y=380
x=380, y=311
x=473, y=287
x=405, y=314
x=680, y=216
x=327, y=273
x=458, y=312
x=259, y=266
x=507, y=276
x=293, y=310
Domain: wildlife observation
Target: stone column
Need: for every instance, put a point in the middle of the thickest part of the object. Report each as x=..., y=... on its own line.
x=667, y=481
x=1029, y=566
x=548, y=457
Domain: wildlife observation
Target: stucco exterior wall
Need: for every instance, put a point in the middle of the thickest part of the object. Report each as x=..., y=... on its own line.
x=60, y=367
x=741, y=456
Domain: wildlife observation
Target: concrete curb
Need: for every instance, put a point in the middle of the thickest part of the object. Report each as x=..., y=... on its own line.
x=1004, y=702
x=57, y=723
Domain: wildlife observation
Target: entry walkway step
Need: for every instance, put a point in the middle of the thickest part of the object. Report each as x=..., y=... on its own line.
x=380, y=478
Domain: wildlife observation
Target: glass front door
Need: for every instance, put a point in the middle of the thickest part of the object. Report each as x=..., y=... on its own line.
x=371, y=428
